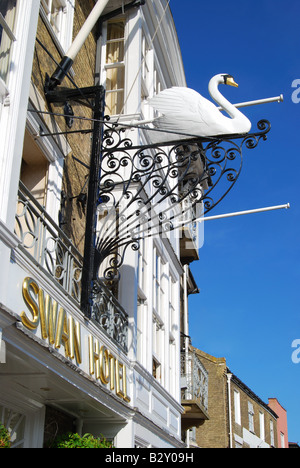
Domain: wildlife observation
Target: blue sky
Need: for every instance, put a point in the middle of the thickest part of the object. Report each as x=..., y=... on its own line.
x=249, y=270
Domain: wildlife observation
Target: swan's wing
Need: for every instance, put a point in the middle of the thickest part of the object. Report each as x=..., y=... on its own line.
x=183, y=104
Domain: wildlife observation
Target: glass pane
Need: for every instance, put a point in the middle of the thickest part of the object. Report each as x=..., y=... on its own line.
x=115, y=79
x=114, y=103
x=115, y=43
x=115, y=52
x=8, y=11
x=115, y=30
x=15, y=423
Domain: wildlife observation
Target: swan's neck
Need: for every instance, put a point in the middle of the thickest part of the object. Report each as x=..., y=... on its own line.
x=222, y=101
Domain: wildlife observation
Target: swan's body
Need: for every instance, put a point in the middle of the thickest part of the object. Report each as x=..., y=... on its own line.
x=186, y=111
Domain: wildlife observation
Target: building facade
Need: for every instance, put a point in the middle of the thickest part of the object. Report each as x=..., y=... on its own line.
x=115, y=372
x=238, y=418
x=282, y=423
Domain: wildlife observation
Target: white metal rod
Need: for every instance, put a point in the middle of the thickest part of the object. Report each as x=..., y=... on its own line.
x=135, y=123
x=241, y=213
x=86, y=29
x=258, y=101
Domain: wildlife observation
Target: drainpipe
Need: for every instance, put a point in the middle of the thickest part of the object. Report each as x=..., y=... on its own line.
x=2, y=349
x=229, y=376
x=80, y=39
x=187, y=364
x=187, y=369
x=186, y=313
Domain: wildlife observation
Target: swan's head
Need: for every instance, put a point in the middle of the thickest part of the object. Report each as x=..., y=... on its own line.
x=224, y=78
x=229, y=80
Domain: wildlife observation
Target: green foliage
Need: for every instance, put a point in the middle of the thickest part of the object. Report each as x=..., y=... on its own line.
x=71, y=440
x=4, y=437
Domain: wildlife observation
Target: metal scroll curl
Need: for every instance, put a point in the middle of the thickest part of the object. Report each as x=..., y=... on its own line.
x=151, y=190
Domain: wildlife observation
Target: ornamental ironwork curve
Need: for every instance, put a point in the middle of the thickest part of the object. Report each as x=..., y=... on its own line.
x=155, y=189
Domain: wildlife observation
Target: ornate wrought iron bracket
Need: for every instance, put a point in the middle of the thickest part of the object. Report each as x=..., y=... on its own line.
x=154, y=189
x=139, y=191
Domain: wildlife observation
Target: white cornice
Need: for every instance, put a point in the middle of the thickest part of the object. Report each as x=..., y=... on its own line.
x=7, y=236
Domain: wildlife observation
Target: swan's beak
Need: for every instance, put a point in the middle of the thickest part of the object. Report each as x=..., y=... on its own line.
x=230, y=81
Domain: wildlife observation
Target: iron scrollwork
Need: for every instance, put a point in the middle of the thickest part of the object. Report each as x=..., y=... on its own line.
x=154, y=189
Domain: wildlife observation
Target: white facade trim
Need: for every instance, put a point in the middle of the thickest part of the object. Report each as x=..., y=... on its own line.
x=12, y=128
x=150, y=414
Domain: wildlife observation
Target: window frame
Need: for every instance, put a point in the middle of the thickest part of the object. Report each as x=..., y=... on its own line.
x=9, y=31
x=272, y=434
x=120, y=65
x=63, y=37
x=237, y=407
x=262, y=431
x=251, y=417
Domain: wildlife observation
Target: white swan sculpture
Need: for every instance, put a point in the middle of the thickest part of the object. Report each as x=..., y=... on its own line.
x=187, y=112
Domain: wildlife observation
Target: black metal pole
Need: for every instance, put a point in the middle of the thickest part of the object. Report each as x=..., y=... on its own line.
x=93, y=191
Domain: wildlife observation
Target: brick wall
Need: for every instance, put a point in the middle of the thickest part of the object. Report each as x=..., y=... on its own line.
x=246, y=396
x=75, y=174
x=214, y=433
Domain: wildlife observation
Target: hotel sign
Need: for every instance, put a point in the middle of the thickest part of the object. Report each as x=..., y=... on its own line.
x=44, y=315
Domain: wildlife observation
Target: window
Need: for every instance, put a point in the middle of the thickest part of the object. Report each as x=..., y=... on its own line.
x=157, y=83
x=156, y=369
x=272, y=440
x=237, y=407
x=15, y=424
x=55, y=11
x=142, y=266
x=251, y=416
x=262, y=425
x=157, y=346
x=59, y=15
x=142, y=299
x=160, y=285
x=158, y=330
x=172, y=364
x=115, y=67
x=282, y=443
x=145, y=68
x=34, y=169
x=34, y=175
x=172, y=336
x=156, y=282
x=7, y=24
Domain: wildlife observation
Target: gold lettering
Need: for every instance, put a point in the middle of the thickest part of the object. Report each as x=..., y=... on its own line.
x=104, y=365
x=66, y=337
x=62, y=332
x=119, y=378
x=91, y=355
x=60, y=329
x=75, y=340
x=48, y=316
x=97, y=359
x=112, y=371
x=121, y=381
x=28, y=286
x=126, y=397
x=57, y=327
x=94, y=357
